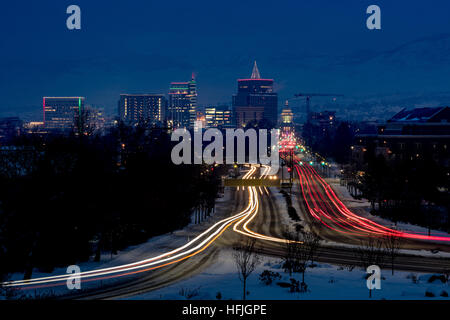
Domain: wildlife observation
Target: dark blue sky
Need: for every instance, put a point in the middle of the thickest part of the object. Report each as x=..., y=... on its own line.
x=141, y=46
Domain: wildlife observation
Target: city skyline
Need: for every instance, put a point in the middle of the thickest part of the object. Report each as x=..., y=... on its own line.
x=335, y=54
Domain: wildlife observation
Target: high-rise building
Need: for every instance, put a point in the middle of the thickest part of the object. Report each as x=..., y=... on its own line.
x=182, y=109
x=62, y=113
x=218, y=117
x=255, y=100
x=144, y=109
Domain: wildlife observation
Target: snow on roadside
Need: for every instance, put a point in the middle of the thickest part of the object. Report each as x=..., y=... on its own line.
x=324, y=282
x=154, y=246
x=419, y=253
x=286, y=221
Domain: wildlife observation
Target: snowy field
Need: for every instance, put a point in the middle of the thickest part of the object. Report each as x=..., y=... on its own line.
x=325, y=282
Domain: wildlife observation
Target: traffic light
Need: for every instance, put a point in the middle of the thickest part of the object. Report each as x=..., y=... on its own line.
x=289, y=169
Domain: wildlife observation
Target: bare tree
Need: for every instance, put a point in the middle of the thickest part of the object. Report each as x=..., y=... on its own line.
x=392, y=244
x=370, y=252
x=446, y=273
x=189, y=293
x=288, y=258
x=246, y=260
x=312, y=243
x=297, y=255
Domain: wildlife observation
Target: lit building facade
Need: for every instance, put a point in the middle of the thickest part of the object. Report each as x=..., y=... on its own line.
x=255, y=100
x=287, y=119
x=62, y=113
x=182, y=108
x=218, y=117
x=410, y=134
x=143, y=109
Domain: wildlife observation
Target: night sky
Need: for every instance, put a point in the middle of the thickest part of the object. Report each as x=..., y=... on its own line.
x=141, y=46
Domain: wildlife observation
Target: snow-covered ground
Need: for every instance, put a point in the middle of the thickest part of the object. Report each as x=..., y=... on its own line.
x=324, y=282
x=153, y=247
x=283, y=215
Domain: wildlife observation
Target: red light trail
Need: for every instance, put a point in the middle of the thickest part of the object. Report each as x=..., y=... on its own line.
x=323, y=204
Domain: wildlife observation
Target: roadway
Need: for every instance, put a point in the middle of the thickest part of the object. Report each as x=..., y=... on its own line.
x=256, y=214
x=329, y=217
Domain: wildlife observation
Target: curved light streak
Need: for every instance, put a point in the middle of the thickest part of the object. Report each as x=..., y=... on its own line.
x=323, y=204
x=219, y=228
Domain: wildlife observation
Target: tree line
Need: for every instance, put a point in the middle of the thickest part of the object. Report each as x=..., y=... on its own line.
x=65, y=199
x=331, y=141
x=412, y=190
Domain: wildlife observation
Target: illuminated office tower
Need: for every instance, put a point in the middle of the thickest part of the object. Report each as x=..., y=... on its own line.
x=182, y=109
x=218, y=117
x=255, y=100
x=143, y=109
x=62, y=113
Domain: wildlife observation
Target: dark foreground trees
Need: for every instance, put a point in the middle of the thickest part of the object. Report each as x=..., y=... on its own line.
x=410, y=190
x=65, y=199
x=330, y=141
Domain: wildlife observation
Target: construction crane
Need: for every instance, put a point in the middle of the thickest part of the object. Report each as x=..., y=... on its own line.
x=308, y=99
